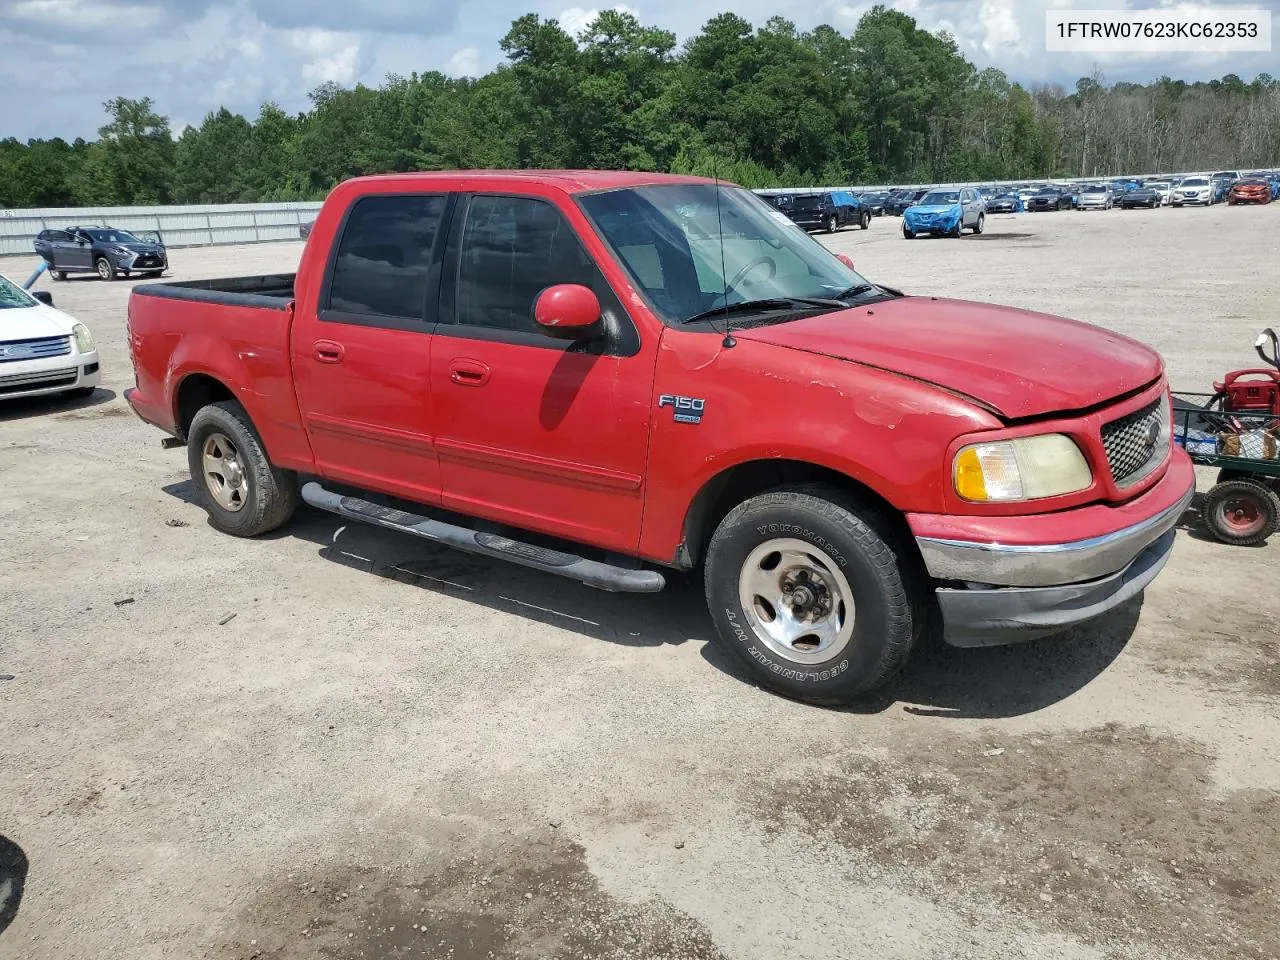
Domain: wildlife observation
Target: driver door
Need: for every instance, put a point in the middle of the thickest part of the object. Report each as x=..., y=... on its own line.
x=76, y=253
x=543, y=434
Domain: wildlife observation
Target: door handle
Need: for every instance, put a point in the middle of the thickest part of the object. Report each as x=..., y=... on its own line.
x=469, y=373
x=327, y=351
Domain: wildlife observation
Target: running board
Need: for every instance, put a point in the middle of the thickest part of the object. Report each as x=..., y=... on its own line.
x=591, y=572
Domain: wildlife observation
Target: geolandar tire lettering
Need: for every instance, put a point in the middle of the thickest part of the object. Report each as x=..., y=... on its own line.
x=858, y=589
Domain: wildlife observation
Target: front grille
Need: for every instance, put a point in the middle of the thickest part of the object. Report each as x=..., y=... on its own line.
x=36, y=349
x=1134, y=443
x=20, y=382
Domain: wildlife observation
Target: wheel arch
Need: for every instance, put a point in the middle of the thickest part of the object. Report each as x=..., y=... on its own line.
x=194, y=392
x=737, y=483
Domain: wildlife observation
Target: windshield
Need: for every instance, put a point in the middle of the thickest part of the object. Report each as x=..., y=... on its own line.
x=11, y=295
x=1195, y=182
x=1095, y=189
x=113, y=236
x=669, y=239
x=1252, y=183
x=940, y=197
x=1047, y=191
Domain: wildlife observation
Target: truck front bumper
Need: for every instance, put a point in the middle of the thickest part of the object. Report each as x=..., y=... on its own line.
x=1008, y=588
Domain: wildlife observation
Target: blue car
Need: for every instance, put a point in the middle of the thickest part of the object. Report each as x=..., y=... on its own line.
x=945, y=212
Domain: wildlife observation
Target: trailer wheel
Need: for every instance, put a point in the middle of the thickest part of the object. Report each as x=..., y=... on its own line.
x=809, y=593
x=243, y=493
x=1241, y=512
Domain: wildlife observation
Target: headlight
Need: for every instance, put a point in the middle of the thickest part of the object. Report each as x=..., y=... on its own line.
x=84, y=339
x=1029, y=468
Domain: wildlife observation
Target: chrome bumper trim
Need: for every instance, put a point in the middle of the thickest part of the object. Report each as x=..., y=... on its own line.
x=1050, y=564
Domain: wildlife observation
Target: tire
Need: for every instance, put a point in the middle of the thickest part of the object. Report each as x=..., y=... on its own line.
x=817, y=536
x=907, y=233
x=864, y=222
x=833, y=224
x=105, y=268
x=980, y=225
x=58, y=275
x=1241, y=512
x=958, y=228
x=267, y=496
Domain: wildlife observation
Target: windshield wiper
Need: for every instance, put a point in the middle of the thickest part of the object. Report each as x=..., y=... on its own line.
x=768, y=303
x=857, y=290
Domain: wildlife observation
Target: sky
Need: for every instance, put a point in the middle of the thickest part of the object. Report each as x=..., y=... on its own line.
x=63, y=58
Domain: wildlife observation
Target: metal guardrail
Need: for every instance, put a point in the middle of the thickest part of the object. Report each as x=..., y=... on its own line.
x=181, y=226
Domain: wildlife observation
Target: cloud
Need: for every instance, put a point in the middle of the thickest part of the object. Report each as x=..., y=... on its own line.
x=63, y=58
x=464, y=63
x=576, y=19
x=329, y=56
x=89, y=22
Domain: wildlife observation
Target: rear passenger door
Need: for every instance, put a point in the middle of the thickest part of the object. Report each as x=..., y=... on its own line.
x=535, y=432
x=75, y=252
x=361, y=354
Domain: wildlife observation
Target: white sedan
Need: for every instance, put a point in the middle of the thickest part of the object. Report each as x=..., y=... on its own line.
x=42, y=350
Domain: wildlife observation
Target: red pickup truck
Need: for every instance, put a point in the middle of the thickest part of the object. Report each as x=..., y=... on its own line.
x=612, y=376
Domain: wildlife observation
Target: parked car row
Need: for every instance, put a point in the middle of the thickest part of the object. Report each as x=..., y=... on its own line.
x=829, y=211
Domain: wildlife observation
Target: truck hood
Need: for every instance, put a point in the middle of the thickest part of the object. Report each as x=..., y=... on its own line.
x=30, y=323
x=1016, y=362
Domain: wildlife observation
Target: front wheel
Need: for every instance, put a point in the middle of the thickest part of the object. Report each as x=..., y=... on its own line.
x=980, y=225
x=106, y=269
x=242, y=492
x=809, y=596
x=955, y=231
x=909, y=235
x=1241, y=512
x=833, y=224
x=58, y=274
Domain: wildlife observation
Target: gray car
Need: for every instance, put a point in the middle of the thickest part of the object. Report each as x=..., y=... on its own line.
x=1096, y=196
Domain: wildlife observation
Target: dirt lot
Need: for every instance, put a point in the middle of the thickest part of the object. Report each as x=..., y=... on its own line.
x=396, y=751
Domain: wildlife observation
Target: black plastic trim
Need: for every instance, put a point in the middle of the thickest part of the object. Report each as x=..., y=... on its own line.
x=230, y=292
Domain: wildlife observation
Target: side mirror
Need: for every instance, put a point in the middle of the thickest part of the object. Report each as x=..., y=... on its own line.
x=567, y=311
x=1268, y=336
x=845, y=259
x=44, y=296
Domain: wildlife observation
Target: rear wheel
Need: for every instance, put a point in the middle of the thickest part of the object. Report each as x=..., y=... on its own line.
x=242, y=492
x=833, y=224
x=865, y=221
x=978, y=227
x=106, y=269
x=58, y=274
x=1241, y=512
x=809, y=596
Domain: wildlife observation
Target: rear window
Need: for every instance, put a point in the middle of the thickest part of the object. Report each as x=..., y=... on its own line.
x=808, y=203
x=384, y=257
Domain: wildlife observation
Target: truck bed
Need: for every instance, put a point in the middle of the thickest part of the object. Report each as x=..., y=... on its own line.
x=273, y=291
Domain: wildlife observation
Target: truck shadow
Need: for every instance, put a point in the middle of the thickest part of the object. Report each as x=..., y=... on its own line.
x=938, y=681
x=13, y=877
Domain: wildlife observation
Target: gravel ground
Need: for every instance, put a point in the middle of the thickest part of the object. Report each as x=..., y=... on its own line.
x=397, y=751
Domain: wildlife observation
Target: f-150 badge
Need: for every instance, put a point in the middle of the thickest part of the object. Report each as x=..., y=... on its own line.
x=684, y=409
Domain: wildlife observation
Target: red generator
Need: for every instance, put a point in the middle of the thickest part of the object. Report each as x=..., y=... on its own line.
x=1254, y=391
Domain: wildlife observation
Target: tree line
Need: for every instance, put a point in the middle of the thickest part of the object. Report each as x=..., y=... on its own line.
x=763, y=106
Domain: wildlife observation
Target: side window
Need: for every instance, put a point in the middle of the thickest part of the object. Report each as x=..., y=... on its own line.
x=383, y=260
x=512, y=249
